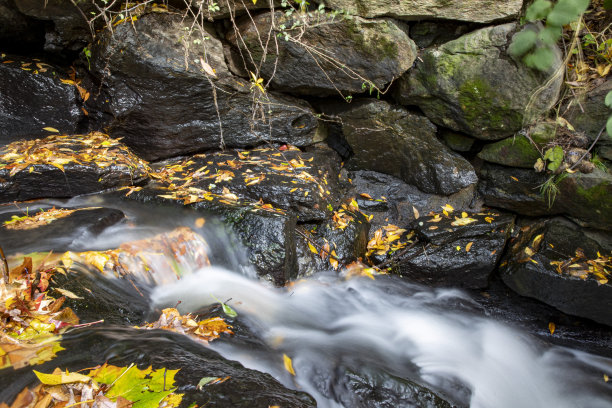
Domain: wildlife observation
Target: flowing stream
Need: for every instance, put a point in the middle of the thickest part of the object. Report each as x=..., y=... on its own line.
x=355, y=341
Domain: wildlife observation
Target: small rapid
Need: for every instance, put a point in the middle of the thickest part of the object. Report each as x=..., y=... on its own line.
x=433, y=337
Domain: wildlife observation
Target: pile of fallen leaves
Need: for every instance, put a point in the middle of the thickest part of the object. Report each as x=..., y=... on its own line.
x=191, y=182
x=388, y=240
x=30, y=318
x=94, y=148
x=582, y=267
x=43, y=217
x=203, y=331
x=107, y=386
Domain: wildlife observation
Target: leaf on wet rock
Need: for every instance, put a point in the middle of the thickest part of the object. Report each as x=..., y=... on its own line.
x=459, y=222
x=551, y=327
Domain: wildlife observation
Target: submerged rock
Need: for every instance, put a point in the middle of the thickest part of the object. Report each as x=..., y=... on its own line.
x=34, y=97
x=453, y=254
x=554, y=261
x=585, y=197
x=332, y=55
x=391, y=140
x=477, y=11
x=67, y=166
x=471, y=85
x=260, y=194
x=162, y=97
x=54, y=229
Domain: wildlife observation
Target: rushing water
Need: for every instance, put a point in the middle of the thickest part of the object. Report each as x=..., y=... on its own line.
x=407, y=330
x=384, y=332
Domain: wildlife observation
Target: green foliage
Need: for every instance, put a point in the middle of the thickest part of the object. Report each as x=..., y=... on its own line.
x=554, y=155
x=550, y=188
x=537, y=48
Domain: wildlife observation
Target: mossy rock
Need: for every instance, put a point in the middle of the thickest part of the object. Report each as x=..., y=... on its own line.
x=472, y=86
x=457, y=141
x=517, y=151
x=478, y=11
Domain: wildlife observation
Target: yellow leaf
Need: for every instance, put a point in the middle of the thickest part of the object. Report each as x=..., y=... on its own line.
x=448, y=207
x=551, y=327
x=254, y=2
x=333, y=260
x=489, y=219
x=529, y=251
x=63, y=378
x=462, y=221
x=313, y=249
x=415, y=212
x=354, y=206
x=50, y=129
x=606, y=378
x=458, y=248
x=468, y=246
x=68, y=293
x=366, y=195
x=536, y=241
x=199, y=223
x=464, y=214
x=288, y=364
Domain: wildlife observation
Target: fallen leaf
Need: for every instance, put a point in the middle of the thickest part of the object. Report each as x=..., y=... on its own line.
x=551, y=327
x=50, y=129
x=415, y=212
x=199, y=223
x=67, y=293
x=468, y=246
x=288, y=364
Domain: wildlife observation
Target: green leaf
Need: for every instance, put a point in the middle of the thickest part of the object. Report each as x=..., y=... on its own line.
x=607, y=4
x=608, y=101
x=566, y=11
x=609, y=126
x=228, y=310
x=555, y=157
x=541, y=59
x=522, y=42
x=538, y=10
x=550, y=34
x=145, y=388
x=204, y=381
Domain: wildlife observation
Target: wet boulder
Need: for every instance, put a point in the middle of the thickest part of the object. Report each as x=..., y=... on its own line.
x=18, y=31
x=67, y=166
x=34, y=97
x=457, y=141
x=562, y=265
x=389, y=200
x=168, y=95
x=471, y=85
x=67, y=30
x=455, y=250
x=587, y=198
x=477, y=11
x=391, y=140
x=332, y=55
x=334, y=244
x=54, y=228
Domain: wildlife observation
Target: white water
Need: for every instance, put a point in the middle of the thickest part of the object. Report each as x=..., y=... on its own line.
x=428, y=336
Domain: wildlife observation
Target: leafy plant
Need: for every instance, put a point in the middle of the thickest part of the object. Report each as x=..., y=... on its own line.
x=550, y=188
x=554, y=156
x=536, y=45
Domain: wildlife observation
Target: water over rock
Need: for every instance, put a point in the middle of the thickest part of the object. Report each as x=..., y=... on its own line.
x=40, y=100
x=585, y=197
x=67, y=166
x=363, y=52
x=478, y=11
x=54, y=229
x=167, y=95
x=549, y=261
x=471, y=85
x=389, y=139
